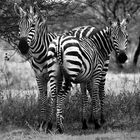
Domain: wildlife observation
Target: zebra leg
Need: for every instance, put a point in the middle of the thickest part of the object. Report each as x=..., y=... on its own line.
x=52, y=108
x=96, y=107
x=95, y=103
x=52, y=112
x=84, y=103
x=59, y=116
x=102, y=97
x=60, y=104
x=102, y=90
x=90, y=119
x=42, y=101
x=55, y=86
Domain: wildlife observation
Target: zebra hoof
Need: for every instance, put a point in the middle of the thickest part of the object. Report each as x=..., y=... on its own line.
x=84, y=124
x=97, y=125
x=90, y=120
x=60, y=129
x=103, y=121
x=41, y=126
x=49, y=127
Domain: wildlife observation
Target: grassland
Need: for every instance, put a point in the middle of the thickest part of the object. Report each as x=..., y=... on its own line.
x=19, y=113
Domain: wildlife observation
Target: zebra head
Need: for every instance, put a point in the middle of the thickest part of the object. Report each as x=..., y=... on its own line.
x=28, y=26
x=119, y=38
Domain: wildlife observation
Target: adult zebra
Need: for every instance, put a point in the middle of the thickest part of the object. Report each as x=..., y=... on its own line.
x=27, y=21
x=81, y=61
x=88, y=32
x=34, y=41
x=33, y=44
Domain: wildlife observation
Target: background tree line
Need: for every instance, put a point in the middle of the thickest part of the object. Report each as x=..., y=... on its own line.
x=62, y=15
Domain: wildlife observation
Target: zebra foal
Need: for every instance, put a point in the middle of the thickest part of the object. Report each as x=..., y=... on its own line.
x=82, y=61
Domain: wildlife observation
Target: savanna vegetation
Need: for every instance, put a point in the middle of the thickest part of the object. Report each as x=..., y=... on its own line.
x=18, y=88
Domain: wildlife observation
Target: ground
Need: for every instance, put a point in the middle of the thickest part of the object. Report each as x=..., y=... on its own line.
x=22, y=134
x=116, y=84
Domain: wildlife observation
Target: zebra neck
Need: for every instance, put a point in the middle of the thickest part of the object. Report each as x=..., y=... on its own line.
x=39, y=34
x=39, y=44
x=104, y=44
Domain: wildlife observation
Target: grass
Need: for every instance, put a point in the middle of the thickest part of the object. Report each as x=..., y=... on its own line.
x=20, y=134
x=122, y=105
x=19, y=107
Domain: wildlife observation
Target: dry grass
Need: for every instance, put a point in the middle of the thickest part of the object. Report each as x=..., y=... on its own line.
x=122, y=113
x=20, y=134
x=18, y=107
x=123, y=82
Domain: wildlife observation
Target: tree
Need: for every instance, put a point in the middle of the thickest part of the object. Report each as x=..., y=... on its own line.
x=65, y=14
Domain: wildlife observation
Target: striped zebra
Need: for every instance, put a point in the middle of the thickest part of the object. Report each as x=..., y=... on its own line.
x=79, y=32
x=33, y=44
x=34, y=41
x=88, y=32
x=82, y=61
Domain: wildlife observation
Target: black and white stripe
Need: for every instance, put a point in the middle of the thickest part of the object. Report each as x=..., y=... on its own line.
x=33, y=44
x=82, y=61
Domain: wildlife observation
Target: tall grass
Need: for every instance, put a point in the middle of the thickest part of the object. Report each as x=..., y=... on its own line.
x=122, y=110
x=19, y=104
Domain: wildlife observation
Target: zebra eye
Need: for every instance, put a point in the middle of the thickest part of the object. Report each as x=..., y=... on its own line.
x=127, y=36
x=33, y=25
x=113, y=37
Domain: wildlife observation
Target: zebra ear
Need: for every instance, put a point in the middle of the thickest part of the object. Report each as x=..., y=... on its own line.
x=19, y=11
x=34, y=9
x=123, y=23
x=44, y=19
x=32, y=13
x=128, y=17
x=126, y=20
x=118, y=22
x=31, y=10
x=109, y=21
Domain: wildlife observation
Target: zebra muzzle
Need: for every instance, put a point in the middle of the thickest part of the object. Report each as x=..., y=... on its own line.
x=23, y=46
x=122, y=57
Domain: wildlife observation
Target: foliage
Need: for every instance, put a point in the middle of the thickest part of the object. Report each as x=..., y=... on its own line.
x=64, y=15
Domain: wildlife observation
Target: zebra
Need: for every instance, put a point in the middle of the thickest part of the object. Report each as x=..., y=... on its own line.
x=33, y=31
x=33, y=45
x=80, y=32
x=29, y=43
x=88, y=32
x=27, y=21
x=85, y=30
x=81, y=61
